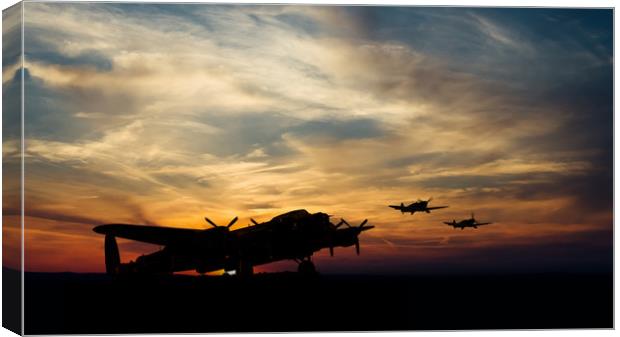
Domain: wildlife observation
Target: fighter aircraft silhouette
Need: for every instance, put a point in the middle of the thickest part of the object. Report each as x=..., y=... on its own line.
x=418, y=206
x=471, y=222
x=295, y=235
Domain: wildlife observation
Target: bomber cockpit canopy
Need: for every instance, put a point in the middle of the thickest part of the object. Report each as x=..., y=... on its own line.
x=292, y=215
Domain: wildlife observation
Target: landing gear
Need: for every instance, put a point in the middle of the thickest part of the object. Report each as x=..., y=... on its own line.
x=306, y=267
x=245, y=269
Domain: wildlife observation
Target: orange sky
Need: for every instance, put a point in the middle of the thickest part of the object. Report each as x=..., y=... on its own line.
x=164, y=115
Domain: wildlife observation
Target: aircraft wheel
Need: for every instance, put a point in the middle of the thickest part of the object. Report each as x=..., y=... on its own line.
x=245, y=269
x=306, y=268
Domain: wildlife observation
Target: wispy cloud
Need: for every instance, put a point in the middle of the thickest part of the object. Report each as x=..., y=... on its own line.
x=160, y=114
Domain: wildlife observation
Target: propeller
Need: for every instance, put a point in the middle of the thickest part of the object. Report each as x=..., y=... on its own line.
x=331, y=248
x=339, y=224
x=254, y=221
x=358, y=230
x=232, y=222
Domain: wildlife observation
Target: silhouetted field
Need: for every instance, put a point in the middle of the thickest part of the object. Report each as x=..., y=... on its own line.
x=95, y=303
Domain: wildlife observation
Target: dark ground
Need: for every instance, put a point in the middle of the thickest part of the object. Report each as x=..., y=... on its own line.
x=94, y=303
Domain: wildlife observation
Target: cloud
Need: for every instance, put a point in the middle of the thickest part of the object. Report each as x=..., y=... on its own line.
x=168, y=112
x=40, y=50
x=11, y=105
x=11, y=38
x=331, y=130
x=499, y=34
x=56, y=216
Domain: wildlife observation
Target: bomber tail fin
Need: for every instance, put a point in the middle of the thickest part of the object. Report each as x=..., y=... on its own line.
x=112, y=255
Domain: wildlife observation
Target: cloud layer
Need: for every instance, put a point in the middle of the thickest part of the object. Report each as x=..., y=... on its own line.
x=161, y=114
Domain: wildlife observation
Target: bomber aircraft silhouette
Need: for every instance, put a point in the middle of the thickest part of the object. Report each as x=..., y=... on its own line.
x=471, y=222
x=418, y=206
x=295, y=235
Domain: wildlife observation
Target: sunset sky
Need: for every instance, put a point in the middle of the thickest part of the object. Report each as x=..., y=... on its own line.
x=164, y=114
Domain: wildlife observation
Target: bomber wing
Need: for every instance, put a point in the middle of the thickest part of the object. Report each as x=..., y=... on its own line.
x=150, y=234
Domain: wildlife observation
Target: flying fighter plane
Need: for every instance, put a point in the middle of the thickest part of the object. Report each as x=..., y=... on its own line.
x=471, y=222
x=418, y=206
x=295, y=235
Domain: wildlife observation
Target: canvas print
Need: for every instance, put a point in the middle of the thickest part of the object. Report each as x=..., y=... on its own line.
x=197, y=168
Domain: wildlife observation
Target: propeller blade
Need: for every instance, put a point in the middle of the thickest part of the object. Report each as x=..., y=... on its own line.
x=338, y=224
x=357, y=247
x=211, y=222
x=366, y=228
x=345, y=222
x=363, y=223
x=232, y=222
x=254, y=221
x=429, y=199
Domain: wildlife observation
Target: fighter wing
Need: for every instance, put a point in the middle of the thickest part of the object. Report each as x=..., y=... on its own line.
x=395, y=206
x=483, y=223
x=150, y=234
x=436, y=207
x=449, y=223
